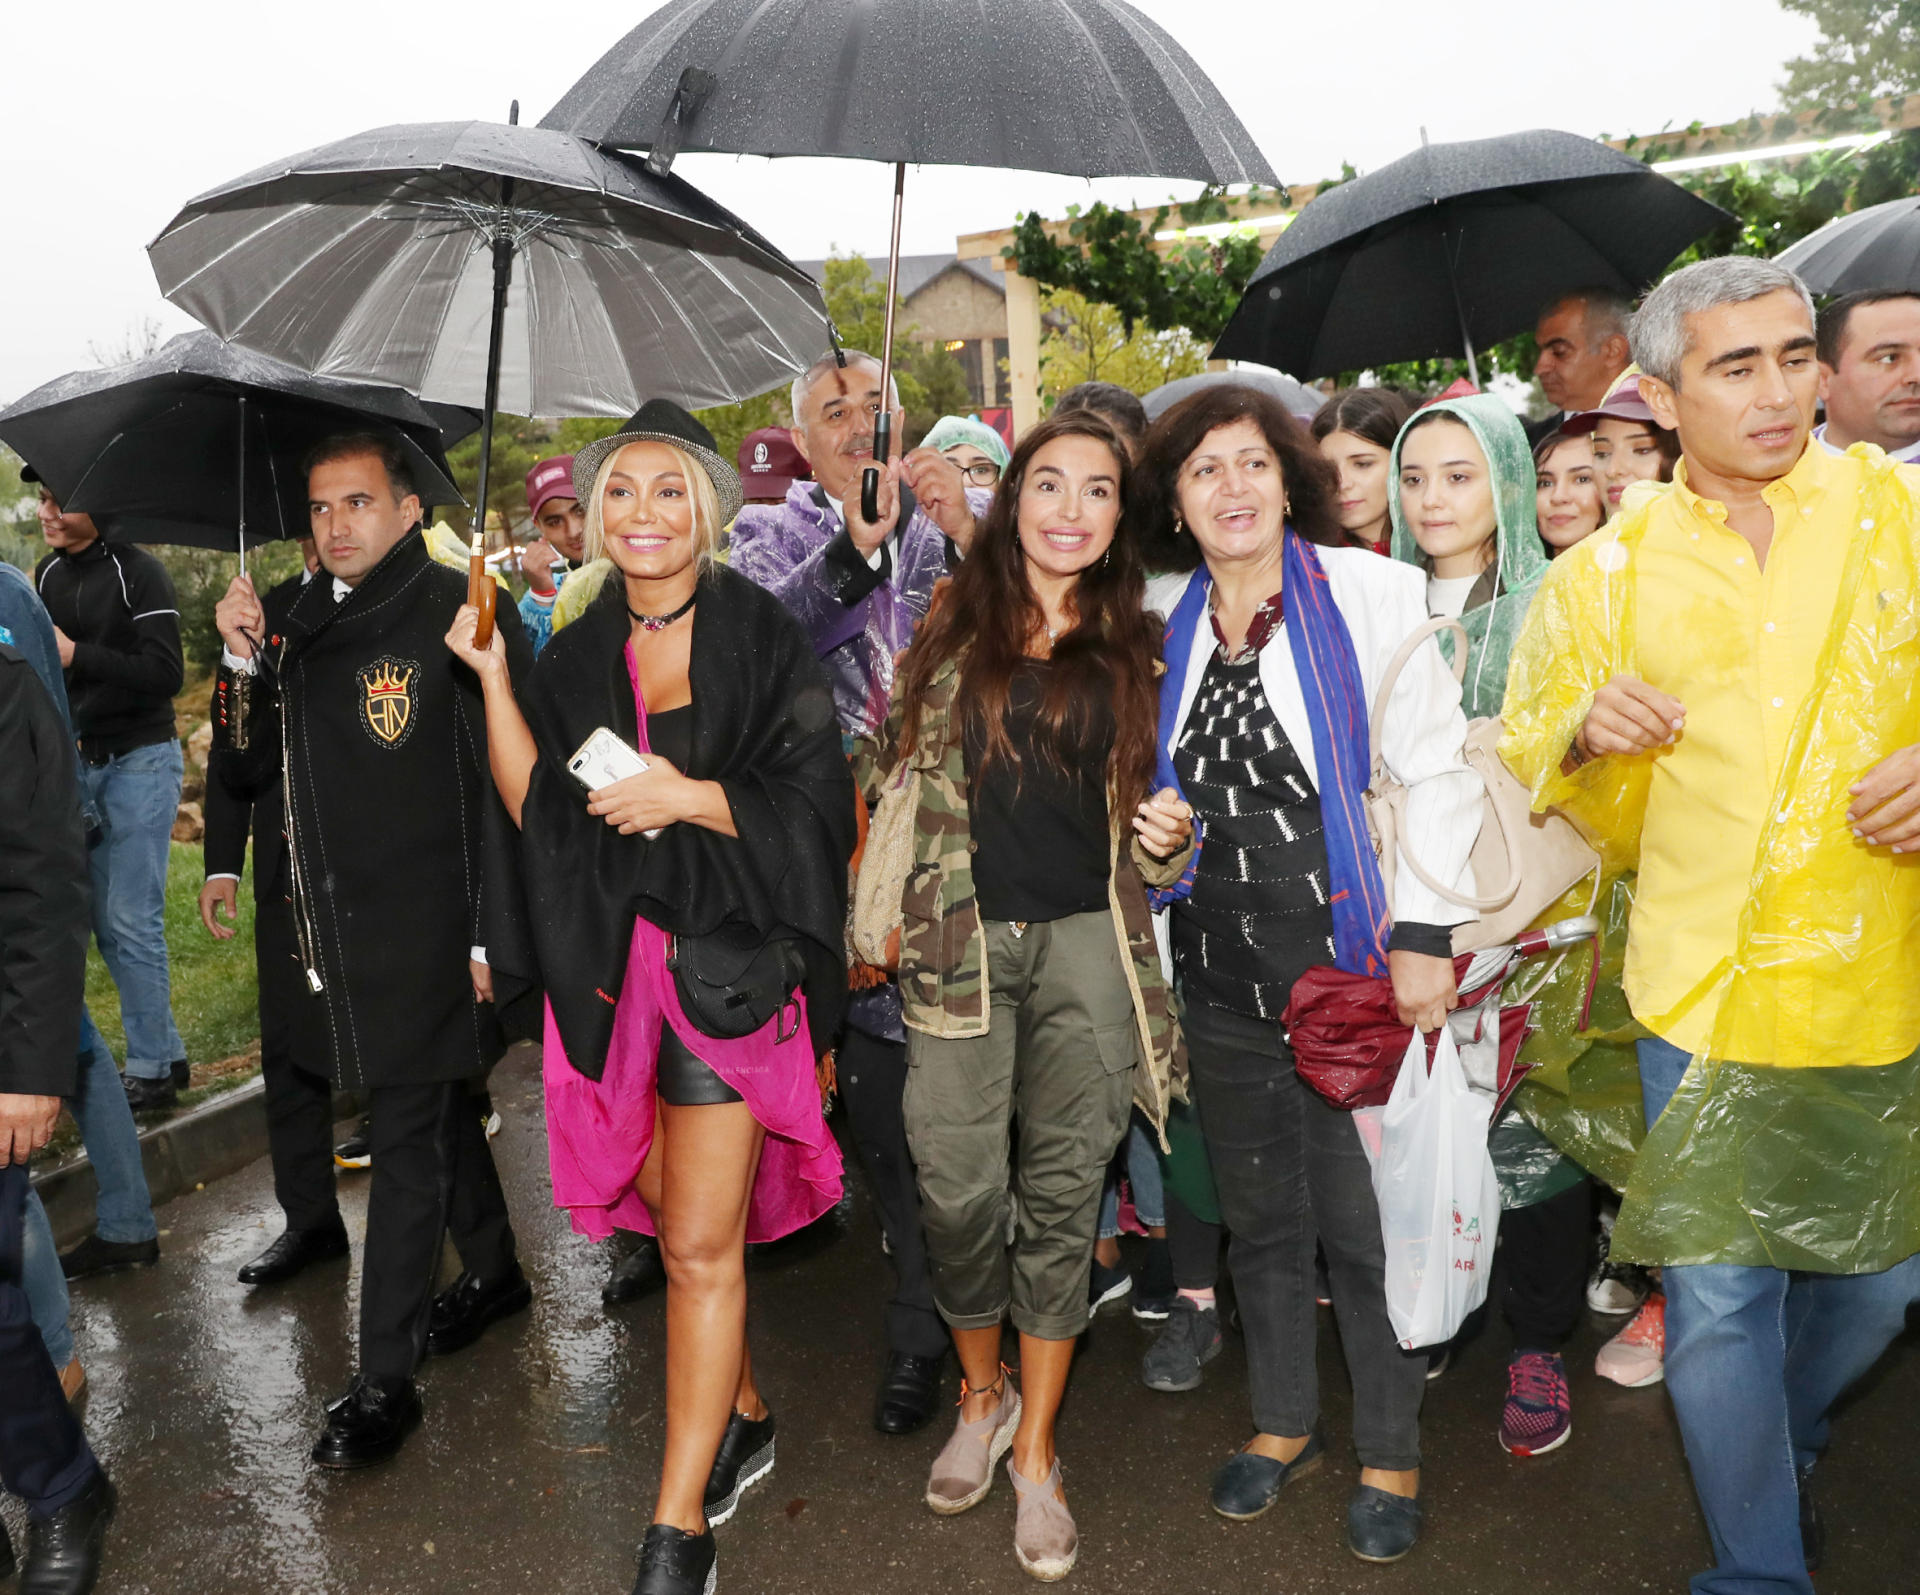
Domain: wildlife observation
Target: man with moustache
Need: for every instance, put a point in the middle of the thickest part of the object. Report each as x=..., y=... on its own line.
x=1869, y=348
x=860, y=588
x=381, y=902
x=1721, y=684
x=1582, y=338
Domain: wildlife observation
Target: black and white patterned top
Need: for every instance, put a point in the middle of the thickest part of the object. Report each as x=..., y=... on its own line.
x=1258, y=916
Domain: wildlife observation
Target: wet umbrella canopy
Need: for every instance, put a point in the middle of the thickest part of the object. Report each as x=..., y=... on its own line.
x=200, y=443
x=1876, y=250
x=1300, y=400
x=372, y=258
x=1458, y=246
x=1087, y=87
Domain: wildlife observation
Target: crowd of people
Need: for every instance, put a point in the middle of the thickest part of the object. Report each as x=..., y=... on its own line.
x=1093, y=709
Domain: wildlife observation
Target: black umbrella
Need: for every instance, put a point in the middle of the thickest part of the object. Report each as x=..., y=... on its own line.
x=1458, y=246
x=200, y=443
x=480, y=263
x=1087, y=87
x=1876, y=250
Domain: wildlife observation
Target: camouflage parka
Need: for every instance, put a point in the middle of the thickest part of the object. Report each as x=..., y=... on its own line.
x=943, y=946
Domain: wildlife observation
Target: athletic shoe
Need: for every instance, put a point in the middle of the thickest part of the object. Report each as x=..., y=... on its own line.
x=1190, y=1339
x=1437, y=1360
x=1107, y=1287
x=1616, y=1288
x=745, y=1458
x=356, y=1152
x=1637, y=1355
x=1538, y=1415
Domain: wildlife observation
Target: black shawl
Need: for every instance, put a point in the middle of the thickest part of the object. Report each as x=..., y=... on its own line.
x=764, y=728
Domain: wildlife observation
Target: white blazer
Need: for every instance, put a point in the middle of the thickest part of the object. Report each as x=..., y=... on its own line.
x=1383, y=601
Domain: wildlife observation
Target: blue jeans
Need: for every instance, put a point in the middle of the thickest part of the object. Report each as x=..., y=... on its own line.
x=44, y=1283
x=122, y=1209
x=137, y=796
x=1143, y=1173
x=1756, y=1357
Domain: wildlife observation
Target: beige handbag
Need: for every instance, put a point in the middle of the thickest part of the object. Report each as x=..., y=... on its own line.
x=881, y=881
x=1536, y=858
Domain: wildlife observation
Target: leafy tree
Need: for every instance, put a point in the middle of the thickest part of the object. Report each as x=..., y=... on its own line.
x=518, y=444
x=1868, y=48
x=20, y=541
x=932, y=383
x=1083, y=340
x=1110, y=257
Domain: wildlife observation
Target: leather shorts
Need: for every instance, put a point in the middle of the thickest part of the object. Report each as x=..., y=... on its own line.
x=685, y=1081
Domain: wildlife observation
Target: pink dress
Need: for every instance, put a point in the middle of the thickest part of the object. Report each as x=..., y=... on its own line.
x=599, y=1131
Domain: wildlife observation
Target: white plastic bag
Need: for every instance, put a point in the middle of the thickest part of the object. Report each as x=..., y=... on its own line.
x=1439, y=1198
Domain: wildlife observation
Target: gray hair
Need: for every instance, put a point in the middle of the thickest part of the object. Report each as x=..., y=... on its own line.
x=1660, y=336
x=1605, y=312
x=803, y=384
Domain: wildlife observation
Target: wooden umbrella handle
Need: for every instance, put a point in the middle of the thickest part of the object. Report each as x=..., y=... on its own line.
x=482, y=592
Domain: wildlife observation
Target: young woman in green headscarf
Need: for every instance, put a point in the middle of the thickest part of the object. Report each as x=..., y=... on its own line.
x=1463, y=511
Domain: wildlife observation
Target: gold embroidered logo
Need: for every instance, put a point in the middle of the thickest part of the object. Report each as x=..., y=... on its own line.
x=387, y=699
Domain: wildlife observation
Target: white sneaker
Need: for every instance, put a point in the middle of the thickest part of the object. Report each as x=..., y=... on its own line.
x=1616, y=1288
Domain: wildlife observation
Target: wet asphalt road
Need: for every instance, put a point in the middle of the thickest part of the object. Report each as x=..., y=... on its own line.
x=535, y=1469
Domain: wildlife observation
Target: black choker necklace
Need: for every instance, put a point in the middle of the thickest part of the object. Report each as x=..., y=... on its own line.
x=661, y=622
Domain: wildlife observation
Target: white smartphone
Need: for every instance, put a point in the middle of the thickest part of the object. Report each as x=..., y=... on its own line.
x=603, y=759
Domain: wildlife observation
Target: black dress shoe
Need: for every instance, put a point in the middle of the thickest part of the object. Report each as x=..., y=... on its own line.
x=294, y=1251
x=368, y=1423
x=150, y=1096
x=639, y=1273
x=745, y=1458
x=63, y=1551
x=909, y=1391
x=95, y=1256
x=469, y=1304
x=180, y=1072
x=674, y=1562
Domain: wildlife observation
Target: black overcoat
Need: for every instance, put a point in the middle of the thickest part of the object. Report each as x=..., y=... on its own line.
x=397, y=835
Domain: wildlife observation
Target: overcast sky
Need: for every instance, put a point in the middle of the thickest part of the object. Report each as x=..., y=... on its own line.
x=115, y=114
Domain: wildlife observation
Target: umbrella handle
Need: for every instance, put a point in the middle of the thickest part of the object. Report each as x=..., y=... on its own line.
x=482, y=593
x=870, y=477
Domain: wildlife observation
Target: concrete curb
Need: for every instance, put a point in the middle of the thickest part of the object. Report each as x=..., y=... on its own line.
x=215, y=1138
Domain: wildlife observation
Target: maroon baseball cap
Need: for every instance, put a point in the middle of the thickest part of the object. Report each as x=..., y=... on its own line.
x=551, y=478
x=770, y=463
x=1622, y=404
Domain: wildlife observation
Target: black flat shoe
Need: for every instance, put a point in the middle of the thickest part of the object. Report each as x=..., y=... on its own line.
x=1248, y=1483
x=367, y=1424
x=295, y=1251
x=639, y=1273
x=674, y=1562
x=63, y=1551
x=1381, y=1526
x=468, y=1305
x=745, y=1458
x=95, y=1256
x=909, y=1391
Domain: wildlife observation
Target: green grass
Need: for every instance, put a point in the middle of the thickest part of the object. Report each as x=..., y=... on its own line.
x=215, y=992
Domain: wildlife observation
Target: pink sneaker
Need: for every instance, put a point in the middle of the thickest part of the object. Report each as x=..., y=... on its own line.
x=1637, y=1355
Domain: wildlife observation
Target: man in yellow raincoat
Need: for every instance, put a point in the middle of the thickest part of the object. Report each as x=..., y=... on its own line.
x=1721, y=689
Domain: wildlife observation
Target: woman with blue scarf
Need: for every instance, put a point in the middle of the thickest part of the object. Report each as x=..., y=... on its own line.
x=1276, y=642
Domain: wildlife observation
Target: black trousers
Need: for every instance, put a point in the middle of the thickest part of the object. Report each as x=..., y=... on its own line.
x=433, y=1174
x=1290, y=1169
x=299, y=1101
x=1543, y=1259
x=44, y=1456
x=873, y=1078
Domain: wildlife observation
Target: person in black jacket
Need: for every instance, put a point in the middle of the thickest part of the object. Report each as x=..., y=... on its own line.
x=117, y=623
x=44, y=1456
x=378, y=737
x=293, y=1063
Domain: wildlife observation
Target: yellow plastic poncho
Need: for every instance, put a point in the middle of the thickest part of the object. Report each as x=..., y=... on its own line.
x=1810, y=1160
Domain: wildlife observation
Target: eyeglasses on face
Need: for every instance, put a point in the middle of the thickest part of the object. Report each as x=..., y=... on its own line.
x=982, y=473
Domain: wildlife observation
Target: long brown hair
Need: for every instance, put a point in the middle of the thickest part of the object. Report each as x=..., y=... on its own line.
x=990, y=615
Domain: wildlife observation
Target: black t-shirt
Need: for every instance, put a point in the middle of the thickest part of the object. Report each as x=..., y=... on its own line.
x=1040, y=840
x=670, y=734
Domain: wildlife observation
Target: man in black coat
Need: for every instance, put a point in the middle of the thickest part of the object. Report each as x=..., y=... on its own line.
x=44, y=901
x=379, y=738
x=293, y=1057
